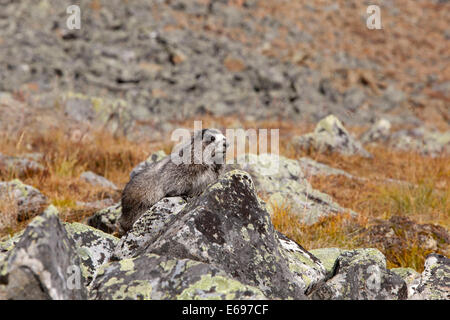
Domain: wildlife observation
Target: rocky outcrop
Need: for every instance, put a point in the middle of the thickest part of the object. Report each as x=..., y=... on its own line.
x=330, y=136
x=237, y=236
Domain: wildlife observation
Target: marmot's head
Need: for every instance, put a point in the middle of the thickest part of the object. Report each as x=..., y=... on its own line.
x=214, y=146
x=206, y=147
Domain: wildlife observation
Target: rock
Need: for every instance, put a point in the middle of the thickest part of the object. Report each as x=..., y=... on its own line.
x=154, y=157
x=105, y=219
x=379, y=132
x=44, y=263
x=155, y=277
x=327, y=256
x=331, y=136
x=410, y=276
x=435, y=281
x=19, y=166
x=28, y=200
x=282, y=180
x=94, y=248
x=236, y=236
x=96, y=180
x=8, y=243
x=301, y=262
x=148, y=226
x=361, y=274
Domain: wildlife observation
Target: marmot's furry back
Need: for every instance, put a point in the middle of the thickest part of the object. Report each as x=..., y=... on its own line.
x=168, y=178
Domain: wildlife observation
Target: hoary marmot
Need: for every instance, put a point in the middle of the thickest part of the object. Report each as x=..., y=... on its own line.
x=169, y=178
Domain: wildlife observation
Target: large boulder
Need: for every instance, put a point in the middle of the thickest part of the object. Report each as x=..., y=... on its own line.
x=434, y=283
x=331, y=136
x=151, y=276
x=283, y=182
x=44, y=263
x=361, y=274
x=228, y=226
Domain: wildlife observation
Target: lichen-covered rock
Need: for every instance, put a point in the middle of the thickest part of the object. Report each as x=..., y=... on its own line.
x=410, y=276
x=228, y=226
x=9, y=242
x=106, y=219
x=327, y=256
x=331, y=136
x=379, y=132
x=19, y=166
x=148, y=226
x=154, y=157
x=285, y=184
x=435, y=280
x=97, y=180
x=361, y=274
x=44, y=263
x=155, y=277
x=93, y=246
x=28, y=200
x=301, y=262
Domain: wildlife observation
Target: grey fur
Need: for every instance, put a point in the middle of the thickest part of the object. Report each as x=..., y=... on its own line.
x=168, y=178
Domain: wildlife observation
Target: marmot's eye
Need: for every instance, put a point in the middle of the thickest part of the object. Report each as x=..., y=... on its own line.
x=213, y=138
